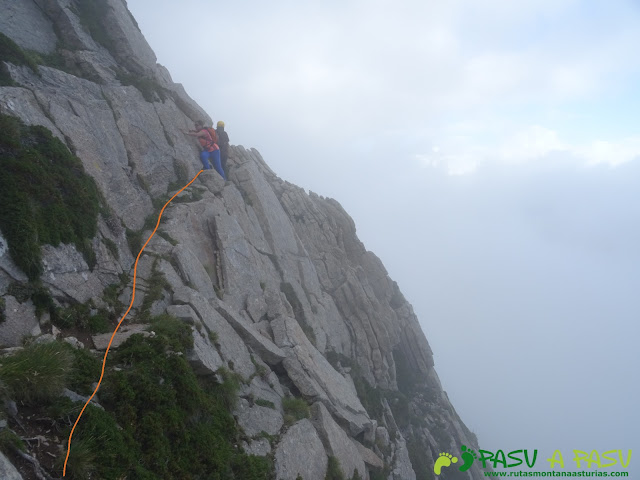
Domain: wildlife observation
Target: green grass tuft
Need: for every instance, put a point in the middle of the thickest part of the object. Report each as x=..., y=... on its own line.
x=294, y=409
x=38, y=373
x=334, y=471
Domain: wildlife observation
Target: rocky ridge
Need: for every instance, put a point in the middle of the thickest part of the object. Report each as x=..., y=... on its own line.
x=272, y=280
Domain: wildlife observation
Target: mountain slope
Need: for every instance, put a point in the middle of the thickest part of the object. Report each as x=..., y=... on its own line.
x=278, y=293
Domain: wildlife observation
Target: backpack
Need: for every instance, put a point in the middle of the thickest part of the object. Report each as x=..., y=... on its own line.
x=214, y=135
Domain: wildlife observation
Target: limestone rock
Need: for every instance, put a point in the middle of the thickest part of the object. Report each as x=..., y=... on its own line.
x=336, y=441
x=369, y=457
x=46, y=338
x=75, y=343
x=15, y=15
x=260, y=447
x=7, y=470
x=193, y=272
x=261, y=389
x=256, y=307
x=204, y=357
x=402, y=469
x=75, y=397
x=267, y=350
x=80, y=112
x=300, y=452
x=124, y=332
x=232, y=349
x=67, y=271
x=170, y=274
x=255, y=419
x=20, y=320
x=129, y=46
x=316, y=378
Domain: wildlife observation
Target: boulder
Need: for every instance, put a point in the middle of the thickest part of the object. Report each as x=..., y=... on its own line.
x=267, y=350
x=20, y=320
x=300, y=452
x=260, y=447
x=256, y=419
x=232, y=349
x=7, y=470
x=124, y=332
x=316, y=378
x=336, y=441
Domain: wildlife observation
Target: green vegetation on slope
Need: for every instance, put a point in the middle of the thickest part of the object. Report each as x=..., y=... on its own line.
x=45, y=195
x=180, y=424
x=12, y=53
x=160, y=421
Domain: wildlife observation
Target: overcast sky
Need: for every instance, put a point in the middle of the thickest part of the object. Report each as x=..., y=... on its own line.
x=489, y=153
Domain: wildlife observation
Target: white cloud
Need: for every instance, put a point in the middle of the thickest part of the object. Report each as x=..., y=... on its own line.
x=459, y=155
x=612, y=153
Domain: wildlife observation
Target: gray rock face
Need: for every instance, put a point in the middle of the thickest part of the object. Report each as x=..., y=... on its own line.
x=272, y=280
x=267, y=350
x=20, y=320
x=129, y=46
x=233, y=350
x=193, y=272
x=256, y=419
x=336, y=442
x=204, y=357
x=268, y=389
x=124, y=332
x=66, y=270
x=300, y=452
x=369, y=457
x=7, y=470
x=316, y=378
x=16, y=14
x=402, y=469
x=259, y=447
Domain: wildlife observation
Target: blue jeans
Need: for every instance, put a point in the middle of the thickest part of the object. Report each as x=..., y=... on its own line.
x=215, y=159
x=204, y=158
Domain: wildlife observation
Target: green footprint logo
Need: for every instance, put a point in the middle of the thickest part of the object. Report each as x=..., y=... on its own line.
x=444, y=460
x=468, y=456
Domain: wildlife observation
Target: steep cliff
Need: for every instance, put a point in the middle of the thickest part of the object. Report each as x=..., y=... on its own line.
x=278, y=294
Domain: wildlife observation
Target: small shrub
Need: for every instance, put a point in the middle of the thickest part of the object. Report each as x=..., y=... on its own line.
x=112, y=247
x=85, y=371
x=99, y=323
x=176, y=331
x=227, y=391
x=167, y=237
x=10, y=441
x=334, y=471
x=213, y=336
x=265, y=403
x=38, y=373
x=294, y=409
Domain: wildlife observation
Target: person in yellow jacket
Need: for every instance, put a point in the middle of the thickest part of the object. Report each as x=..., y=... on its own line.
x=223, y=143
